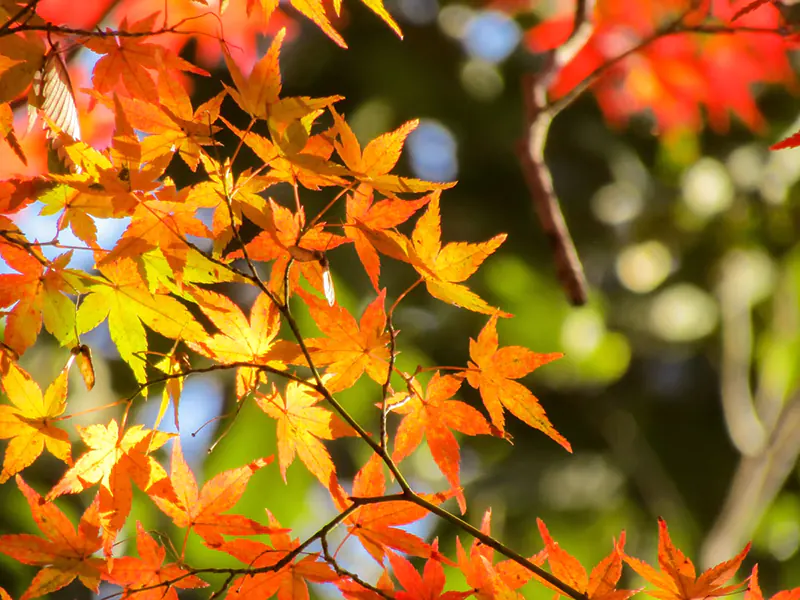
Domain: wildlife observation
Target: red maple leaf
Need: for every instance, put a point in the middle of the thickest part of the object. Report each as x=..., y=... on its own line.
x=433, y=414
x=601, y=584
x=428, y=587
x=678, y=580
x=377, y=526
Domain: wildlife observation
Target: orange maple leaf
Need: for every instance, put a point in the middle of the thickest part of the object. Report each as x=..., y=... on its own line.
x=280, y=242
x=428, y=587
x=241, y=340
x=377, y=526
x=147, y=577
x=202, y=510
x=289, y=582
x=754, y=589
x=601, y=584
x=380, y=156
x=115, y=458
x=441, y=268
x=434, y=414
x=353, y=590
x=163, y=225
x=301, y=427
x=39, y=290
x=351, y=348
x=129, y=58
x=296, y=156
x=377, y=216
x=171, y=123
x=29, y=423
x=65, y=553
x=227, y=195
x=677, y=579
x=258, y=94
x=490, y=580
x=104, y=184
x=493, y=372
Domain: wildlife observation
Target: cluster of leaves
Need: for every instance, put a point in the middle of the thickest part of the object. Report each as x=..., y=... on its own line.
x=159, y=277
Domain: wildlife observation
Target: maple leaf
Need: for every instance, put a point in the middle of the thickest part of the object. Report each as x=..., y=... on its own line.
x=601, y=584
x=64, y=554
x=489, y=580
x=241, y=340
x=162, y=225
x=378, y=158
x=103, y=185
x=673, y=77
x=114, y=459
x=434, y=414
x=258, y=94
x=201, y=511
x=428, y=587
x=25, y=55
x=280, y=243
x=171, y=124
x=289, y=582
x=301, y=427
x=351, y=348
x=753, y=591
x=677, y=579
x=29, y=422
x=129, y=58
x=123, y=297
x=227, y=195
x=39, y=290
x=296, y=156
x=362, y=211
x=146, y=577
x=441, y=268
x=377, y=526
x=493, y=372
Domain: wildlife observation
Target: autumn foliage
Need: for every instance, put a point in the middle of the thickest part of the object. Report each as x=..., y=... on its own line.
x=163, y=276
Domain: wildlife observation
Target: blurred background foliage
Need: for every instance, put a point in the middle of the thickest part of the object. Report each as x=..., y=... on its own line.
x=680, y=388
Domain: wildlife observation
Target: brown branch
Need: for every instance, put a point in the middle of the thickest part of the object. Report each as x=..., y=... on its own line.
x=537, y=175
x=540, y=113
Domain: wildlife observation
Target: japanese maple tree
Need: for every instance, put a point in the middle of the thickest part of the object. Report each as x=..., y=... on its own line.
x=163, y=277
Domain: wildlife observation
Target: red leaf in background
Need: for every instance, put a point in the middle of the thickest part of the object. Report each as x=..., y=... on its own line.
x=793, y=141
x=676, y=75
